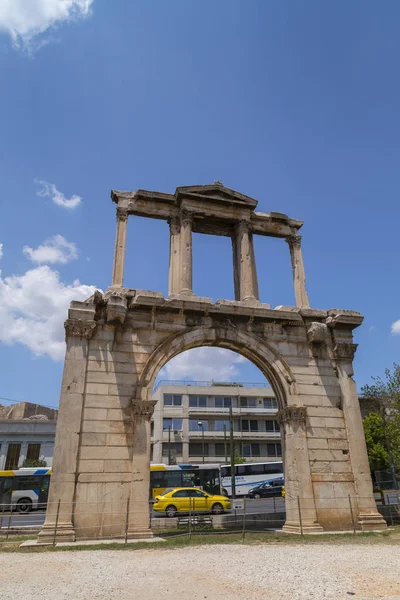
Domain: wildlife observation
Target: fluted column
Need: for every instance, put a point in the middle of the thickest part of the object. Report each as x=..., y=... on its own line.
x=186, y=253
x=139, y=509
x=299, y=276
x=119, y=251
x=246, y=266
x=298, y=482
x=174, y=255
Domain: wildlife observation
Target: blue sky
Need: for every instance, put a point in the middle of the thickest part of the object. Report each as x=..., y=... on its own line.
x=294, y=104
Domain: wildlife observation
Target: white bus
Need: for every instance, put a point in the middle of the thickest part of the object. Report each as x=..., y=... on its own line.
x=248, y=475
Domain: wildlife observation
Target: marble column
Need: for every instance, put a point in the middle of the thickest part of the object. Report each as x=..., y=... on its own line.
x=369, y=518
x=186, y=253
x=139, y=509
x=119, y=251
x=78, y=332
x=174, y=255
x=246, y=266
x=298, y=482
x=299, y=276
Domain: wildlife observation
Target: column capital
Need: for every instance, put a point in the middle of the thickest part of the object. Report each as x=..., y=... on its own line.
x=294, y=240
x=243, y=226
x=292, y=413
x=80, y=329
x=122, y=213
x=174, y=224
x=344, y=351
x=143, y=408
x=186, y=216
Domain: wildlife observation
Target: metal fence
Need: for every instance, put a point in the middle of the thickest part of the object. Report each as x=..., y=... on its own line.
x=114, y=520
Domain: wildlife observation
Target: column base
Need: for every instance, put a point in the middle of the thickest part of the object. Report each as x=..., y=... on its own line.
x=371, y=522
x=65, y=533
x=294, y=527
x=140, y=534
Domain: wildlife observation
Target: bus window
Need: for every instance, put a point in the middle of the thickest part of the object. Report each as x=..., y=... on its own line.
x=190, y=479
x=225, y=471
x=209, y=479
x=174, y=478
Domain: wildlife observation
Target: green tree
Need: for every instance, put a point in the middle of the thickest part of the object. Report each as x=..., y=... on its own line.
x=238, y=458
x=29, y=462
x=382, y=425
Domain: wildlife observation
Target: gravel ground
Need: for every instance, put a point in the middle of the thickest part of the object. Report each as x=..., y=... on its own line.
x=213, y=572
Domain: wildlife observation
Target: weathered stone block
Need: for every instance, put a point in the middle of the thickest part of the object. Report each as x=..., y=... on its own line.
x=93, y=439
x=103, y=427
x=94, y=401
x=91, y=466
x=117, y=466
x=104, y=453
x=95, y=414
x=98, y=389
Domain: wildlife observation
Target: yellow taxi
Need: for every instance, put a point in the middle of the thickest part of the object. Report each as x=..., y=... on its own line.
x=184, y=500
x=283, y=492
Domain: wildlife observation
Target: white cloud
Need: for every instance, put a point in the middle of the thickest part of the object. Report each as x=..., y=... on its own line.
x=371, y=328
x=54, y=250
x=396, y=328
x=33, y=308
x=203, y=364
x=27, y=20
x=1, y=251
x=49, y=189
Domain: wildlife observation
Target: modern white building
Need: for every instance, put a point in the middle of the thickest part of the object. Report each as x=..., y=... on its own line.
x=27, y=431
x=191, y=422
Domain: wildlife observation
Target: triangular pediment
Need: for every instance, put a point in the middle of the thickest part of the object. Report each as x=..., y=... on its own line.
x=215, y=192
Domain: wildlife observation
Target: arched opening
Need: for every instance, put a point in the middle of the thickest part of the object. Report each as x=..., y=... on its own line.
x=212, y=401
x=213, y=419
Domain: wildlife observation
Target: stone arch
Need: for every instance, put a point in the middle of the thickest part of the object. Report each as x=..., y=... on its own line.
x=259, y=352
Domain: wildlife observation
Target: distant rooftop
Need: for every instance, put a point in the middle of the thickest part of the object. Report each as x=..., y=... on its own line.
x=174, y=382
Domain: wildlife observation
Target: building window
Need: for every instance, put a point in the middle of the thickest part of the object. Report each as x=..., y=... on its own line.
x=274, y=449
x=272, y=426
x=151, y=452
x=174, y=424
x=175, y=448
x=172, y=400
x=249, y=425
x=270, y=403
x=219, y=424
x=196, y=449
x=12, y=460
x=248, y=402
x=152, y=429
x=250, y=450
x=220, y=449
x=223, y=401
x=198, y=401
x=33, y=452
x=194, y=425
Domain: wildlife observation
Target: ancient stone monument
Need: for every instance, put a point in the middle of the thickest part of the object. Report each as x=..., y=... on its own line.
x=118, y=342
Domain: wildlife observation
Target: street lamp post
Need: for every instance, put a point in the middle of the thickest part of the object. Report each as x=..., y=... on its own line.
x=225, y=445
x=200, y=424
x=169, y=444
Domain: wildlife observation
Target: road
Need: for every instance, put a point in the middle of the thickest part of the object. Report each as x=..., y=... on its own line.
x=266, y=505
x=36, y=518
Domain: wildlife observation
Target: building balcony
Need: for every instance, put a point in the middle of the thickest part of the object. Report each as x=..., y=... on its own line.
x=237, y=435
x=236, y=411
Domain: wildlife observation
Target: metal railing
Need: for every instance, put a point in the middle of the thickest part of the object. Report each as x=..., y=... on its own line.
x=114, y=520
x=180, y=382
